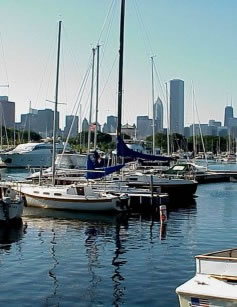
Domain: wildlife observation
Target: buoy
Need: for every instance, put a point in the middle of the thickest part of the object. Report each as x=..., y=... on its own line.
x=163, y=214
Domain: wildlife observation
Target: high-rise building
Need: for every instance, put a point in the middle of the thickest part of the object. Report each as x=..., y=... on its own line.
x=7, y=112
x=159, y=114
x=177, y=106
x=144, y=127
x=229, y=113
x=40, y=122
x=85, y=125
x=71, y=124
x=112, y=122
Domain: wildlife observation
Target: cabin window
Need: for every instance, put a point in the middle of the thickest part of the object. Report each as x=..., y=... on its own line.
x=46, y=193
x=133, y=178
x=80, y=190
x=115, y=178
x=36, y=192
x=57, y=194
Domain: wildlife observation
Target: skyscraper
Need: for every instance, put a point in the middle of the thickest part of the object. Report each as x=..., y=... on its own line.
x=159, y=114
x=177, y=106
x=229, y=113
x=71, y=120
x=7, y=112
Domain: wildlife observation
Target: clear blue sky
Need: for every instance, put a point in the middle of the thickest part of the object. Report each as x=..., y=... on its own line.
x=192, y=40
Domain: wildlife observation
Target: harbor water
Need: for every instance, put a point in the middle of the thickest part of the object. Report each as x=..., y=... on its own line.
x=71, y=259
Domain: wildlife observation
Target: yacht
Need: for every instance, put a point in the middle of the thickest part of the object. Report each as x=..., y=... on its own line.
x=214, y=283
x=31, y=155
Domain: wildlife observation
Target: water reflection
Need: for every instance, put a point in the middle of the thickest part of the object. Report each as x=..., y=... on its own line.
x=11, y=233
x=118, y=261
x=53, y=299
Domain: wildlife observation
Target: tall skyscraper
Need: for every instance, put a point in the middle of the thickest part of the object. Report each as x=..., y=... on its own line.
x=144, y=127
x=229, y=113
x=159, y=114
x=177, y=106
x=112, y=122
x=7, y=112
x=71, y=120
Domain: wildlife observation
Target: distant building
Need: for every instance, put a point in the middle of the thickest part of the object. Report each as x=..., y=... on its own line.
x=40, y=122
x=7, y=112
x=159, y=113
x=212, y=122
x=112, y=122
x=229, y=113
x=129, y=130
x=144, y=127
x=85, y=125
x=71, y=124
x=222, y=131
x=177, y=106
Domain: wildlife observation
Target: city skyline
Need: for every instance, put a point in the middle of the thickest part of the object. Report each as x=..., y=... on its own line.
x=187, y=38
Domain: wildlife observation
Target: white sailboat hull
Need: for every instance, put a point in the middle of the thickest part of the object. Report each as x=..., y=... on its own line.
x=73, y=204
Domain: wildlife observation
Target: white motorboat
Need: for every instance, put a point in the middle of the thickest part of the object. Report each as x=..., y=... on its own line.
x=215, y=282
x=11, y=205
x=73, y=197
x=174, y=187
x=30, y=155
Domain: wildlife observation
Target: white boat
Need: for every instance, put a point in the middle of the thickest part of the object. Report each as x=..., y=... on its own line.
x=215, y=282
x=73, y=197
x=174, y=187
x=30, y=155
x=11, y=205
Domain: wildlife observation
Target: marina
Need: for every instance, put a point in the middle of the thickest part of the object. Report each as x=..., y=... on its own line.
x=110, y=258
x=124, y=196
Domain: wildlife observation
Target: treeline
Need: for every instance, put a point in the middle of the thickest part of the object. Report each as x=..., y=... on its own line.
x=177, y=142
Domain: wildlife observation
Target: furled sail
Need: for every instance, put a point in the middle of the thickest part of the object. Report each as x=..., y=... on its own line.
x=124, y=151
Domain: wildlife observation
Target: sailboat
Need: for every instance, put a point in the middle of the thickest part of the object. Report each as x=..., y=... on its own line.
x=74, y=197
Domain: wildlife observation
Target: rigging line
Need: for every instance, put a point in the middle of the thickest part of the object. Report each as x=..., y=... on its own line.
x=45, y=69
x=108, y=77
x=107, y=15
x=195, y=104
x=143, y=29
x=159, y=80
x=83, y=85
x=64, y=78
x=3, y=56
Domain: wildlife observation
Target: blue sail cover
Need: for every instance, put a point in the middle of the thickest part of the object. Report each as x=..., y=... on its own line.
x=94, y=164
x=124, y=151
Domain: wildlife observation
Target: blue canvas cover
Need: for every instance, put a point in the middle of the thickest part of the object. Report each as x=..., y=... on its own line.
x=124, y=151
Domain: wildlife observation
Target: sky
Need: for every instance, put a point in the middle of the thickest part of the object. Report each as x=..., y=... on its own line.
x=190, y=40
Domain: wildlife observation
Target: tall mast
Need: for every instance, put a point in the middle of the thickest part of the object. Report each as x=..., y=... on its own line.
x=167, y=111
x=153, y=106
x=97, y=96
x=92, y=89
x=29, y=117
x=120, y=81
x=56, y=105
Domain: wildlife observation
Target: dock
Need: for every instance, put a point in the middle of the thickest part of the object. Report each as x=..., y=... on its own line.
x=217, y=176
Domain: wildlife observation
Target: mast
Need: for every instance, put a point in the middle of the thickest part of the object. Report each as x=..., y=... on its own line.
x=56, y=105
x=92, y=88
x=120, y=81
x=29, y=117
x=168, y=132
x=97, y=97
x=153, y=106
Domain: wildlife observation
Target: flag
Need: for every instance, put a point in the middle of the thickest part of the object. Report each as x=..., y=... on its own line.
x=92, y=127
x=199, y=302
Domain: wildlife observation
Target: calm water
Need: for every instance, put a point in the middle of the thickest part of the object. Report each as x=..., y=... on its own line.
x=64, y=259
